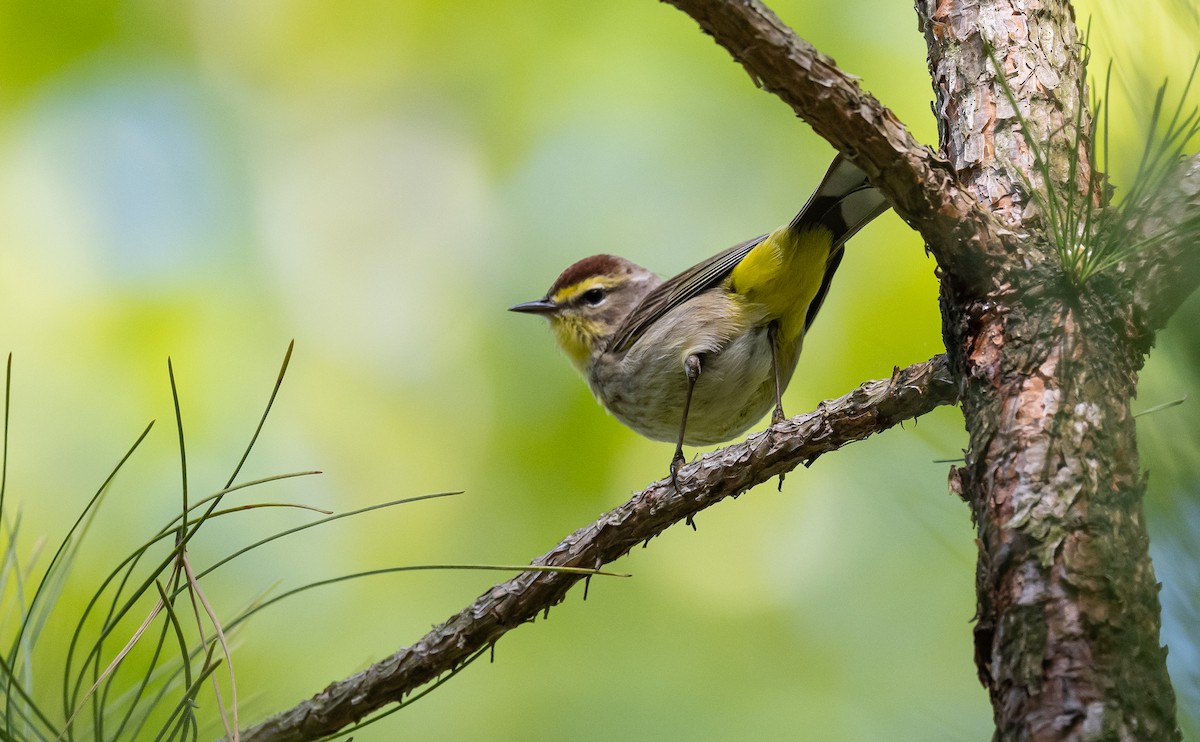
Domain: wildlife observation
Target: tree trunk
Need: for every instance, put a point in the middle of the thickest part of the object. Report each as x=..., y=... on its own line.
x=1067, y=632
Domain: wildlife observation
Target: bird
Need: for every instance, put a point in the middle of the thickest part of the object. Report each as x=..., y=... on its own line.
x=698, y=358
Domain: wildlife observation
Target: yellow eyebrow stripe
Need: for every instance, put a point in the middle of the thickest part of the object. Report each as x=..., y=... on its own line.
x=568, y=293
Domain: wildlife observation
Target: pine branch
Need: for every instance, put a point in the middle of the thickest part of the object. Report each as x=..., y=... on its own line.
x=964, y=238
x=873, y=407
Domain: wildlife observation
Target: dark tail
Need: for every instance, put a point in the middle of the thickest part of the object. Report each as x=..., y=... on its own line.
x=843, y=204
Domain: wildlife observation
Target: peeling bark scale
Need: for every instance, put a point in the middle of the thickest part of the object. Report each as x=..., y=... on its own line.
x=1067, y=625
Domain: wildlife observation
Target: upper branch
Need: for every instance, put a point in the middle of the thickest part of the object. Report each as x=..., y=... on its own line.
x=963, y=237
x=873, y=407
x=1168, y=269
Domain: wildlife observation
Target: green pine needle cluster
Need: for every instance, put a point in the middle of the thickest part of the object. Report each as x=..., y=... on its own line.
x=152, y=597
x=148, y=642
x=1092, y=232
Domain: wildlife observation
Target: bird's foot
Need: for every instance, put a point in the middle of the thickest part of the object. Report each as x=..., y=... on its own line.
x=676, y=462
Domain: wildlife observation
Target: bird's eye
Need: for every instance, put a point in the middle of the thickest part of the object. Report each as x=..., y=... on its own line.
x=593, y=296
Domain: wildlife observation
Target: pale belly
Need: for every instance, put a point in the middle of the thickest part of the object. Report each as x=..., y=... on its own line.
x=736, y=388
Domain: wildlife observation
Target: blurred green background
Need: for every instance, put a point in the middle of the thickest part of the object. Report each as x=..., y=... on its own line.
x=380, y=180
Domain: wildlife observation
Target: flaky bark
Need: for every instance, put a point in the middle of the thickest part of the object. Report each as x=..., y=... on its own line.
x=1068, y=613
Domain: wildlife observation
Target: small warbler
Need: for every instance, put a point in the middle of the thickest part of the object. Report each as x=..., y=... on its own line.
x=700, y=357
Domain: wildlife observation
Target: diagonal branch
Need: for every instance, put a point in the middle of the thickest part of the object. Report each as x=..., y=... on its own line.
x=873, y=407
x=963, y=237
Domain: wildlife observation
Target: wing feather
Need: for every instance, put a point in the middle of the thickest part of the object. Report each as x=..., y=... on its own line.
x=842, y=204
x=675, y=291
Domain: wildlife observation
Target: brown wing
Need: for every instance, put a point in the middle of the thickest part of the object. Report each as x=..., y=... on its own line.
x=675, y=291
x=843, y=202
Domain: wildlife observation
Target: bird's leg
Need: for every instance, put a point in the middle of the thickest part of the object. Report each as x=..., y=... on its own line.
x=773, y=339
x=777, y=415
x=691, y=368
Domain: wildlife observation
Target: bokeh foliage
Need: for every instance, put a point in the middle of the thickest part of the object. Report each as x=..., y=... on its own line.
x=379, y=180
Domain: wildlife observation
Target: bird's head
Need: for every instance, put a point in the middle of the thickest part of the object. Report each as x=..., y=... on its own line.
x=588, y=301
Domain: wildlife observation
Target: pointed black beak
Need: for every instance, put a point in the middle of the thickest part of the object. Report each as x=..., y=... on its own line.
x=539, y=306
